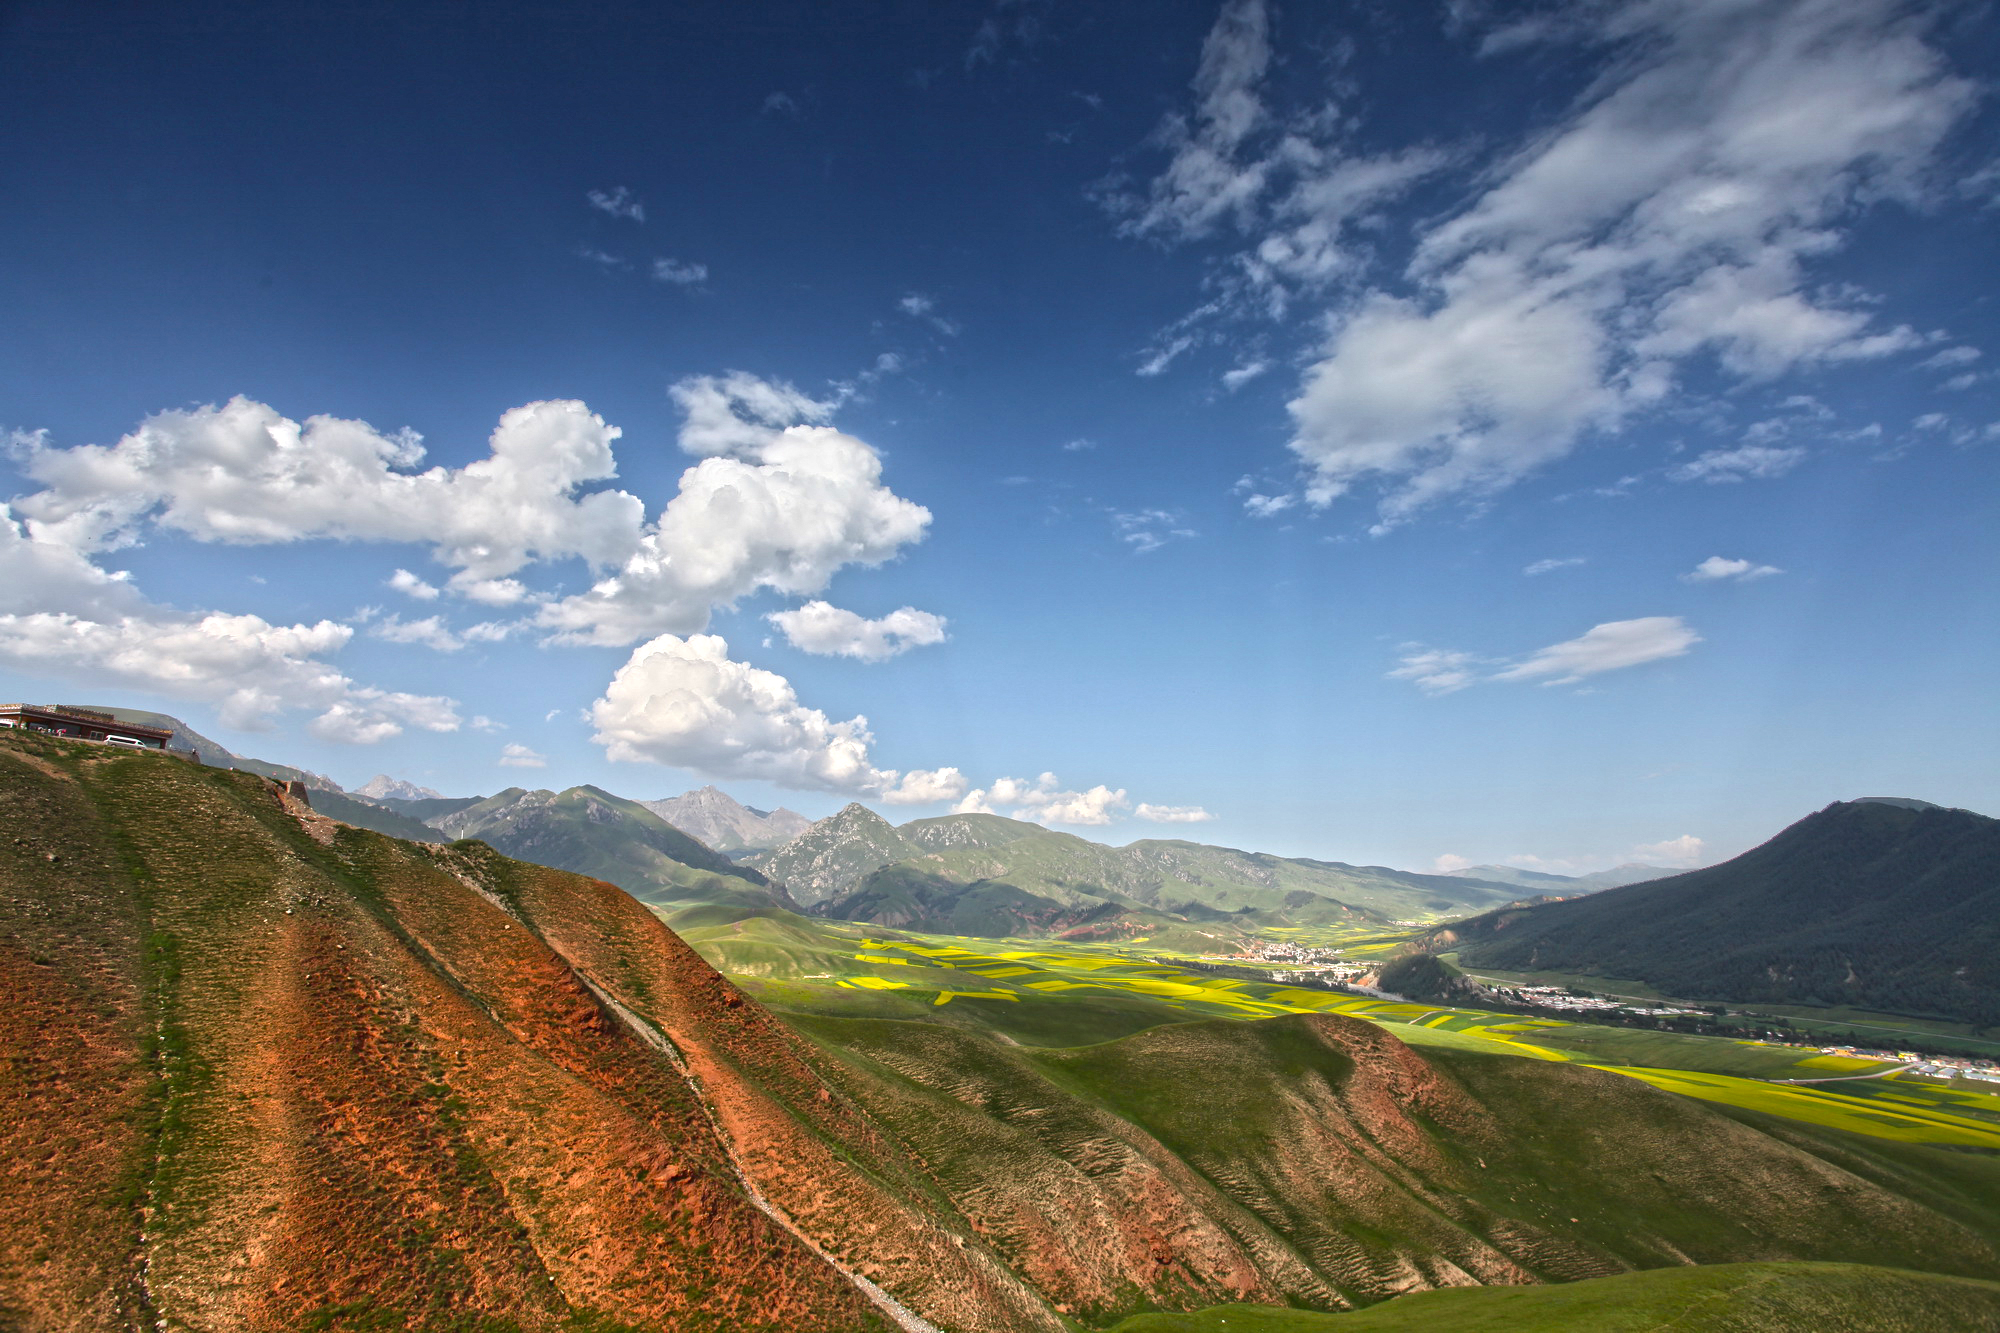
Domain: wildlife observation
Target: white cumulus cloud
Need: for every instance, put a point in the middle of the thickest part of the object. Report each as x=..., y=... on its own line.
x=685, y=703
x=63, y=616
x=925, y=786
x=515, y=755
x=1684, y=852
x=1045, y=801
x=1716, y=568
x=403, y=581
x=1171, y=814
x=821, y=628
x=243, y=474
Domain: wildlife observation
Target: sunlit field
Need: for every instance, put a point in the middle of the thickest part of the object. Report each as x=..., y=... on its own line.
x=1058, y=993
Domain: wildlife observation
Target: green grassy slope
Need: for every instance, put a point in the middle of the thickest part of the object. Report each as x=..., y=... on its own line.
x=1864, y=904
x=1732, y=1298
x=984, y=875
x=976, y=874
x=1325, y=1163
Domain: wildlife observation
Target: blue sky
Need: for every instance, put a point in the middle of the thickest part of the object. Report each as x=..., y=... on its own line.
x=1561, y=434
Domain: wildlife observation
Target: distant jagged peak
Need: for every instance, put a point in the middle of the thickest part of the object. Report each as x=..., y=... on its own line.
x=725, y=823
x=856, y=813
x=383, y=787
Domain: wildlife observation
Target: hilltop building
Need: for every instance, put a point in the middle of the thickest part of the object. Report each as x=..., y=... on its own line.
x=86, y=724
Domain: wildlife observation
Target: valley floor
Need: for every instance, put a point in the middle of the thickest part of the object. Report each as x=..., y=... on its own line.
x=1055, y=993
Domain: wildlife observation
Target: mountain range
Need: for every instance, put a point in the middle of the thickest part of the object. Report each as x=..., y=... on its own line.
x=1888, y=904
x=956, y=874
x=1545, y=882
x=382, y=785
x=266, y=1071
x=979, y=874
x=591, y=832
x=719, y=820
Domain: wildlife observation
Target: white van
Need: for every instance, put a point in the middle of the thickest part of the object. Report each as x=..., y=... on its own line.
x=125, y=740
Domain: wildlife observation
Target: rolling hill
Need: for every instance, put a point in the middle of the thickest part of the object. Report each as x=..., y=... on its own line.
x=265, y=1071
x=1543, y=882
x=976, y=874
x=1885, y=904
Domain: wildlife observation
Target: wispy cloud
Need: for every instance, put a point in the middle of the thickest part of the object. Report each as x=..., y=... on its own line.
x=923, y=306
x=1743, y=463
x=679, y=272
x=1611, y=646
x=1673, y=215
x=1551, y=566
x=619, y=203
x=1147, y=530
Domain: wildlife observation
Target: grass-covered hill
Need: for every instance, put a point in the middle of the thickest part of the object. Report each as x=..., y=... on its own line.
x=265, y=1071
x=592, y=832
x=1727, y=1298
x=987, y=875
x=1881, y=905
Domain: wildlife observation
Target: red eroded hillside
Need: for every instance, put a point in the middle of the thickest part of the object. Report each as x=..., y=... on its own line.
x=265, y=1071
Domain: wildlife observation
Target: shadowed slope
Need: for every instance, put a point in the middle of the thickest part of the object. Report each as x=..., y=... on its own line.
x=1878, y=904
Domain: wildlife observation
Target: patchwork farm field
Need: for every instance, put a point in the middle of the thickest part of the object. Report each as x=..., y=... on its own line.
x=1048, y=993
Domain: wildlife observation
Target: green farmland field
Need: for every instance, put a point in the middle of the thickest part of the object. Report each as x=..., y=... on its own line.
x=1059, y=993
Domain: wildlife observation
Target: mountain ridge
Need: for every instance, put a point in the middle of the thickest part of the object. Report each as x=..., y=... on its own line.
x=726, y=824
x=1885, y=905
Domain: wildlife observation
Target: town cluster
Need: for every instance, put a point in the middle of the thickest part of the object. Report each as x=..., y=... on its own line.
x=1323, y=964
x=1928, y=1066
x=1558, y=997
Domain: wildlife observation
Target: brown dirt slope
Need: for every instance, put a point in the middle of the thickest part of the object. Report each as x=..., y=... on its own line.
x=263, y=1071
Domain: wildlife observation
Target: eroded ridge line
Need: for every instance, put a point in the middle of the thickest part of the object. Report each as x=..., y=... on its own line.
x=905, y=1318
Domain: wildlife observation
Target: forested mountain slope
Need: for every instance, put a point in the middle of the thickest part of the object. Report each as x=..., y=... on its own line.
x=1887, y=905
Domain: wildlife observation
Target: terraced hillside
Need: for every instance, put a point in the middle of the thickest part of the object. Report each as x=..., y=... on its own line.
x=266, y=1071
